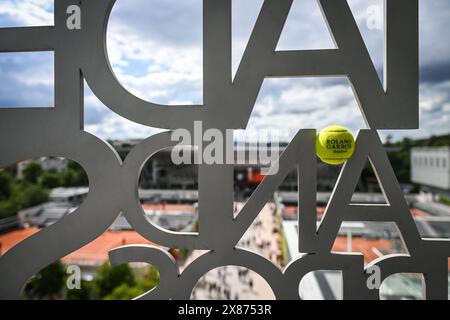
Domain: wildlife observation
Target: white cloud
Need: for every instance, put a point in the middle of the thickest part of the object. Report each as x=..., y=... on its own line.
x=26, y=13
x=155, y=48
x=170, y=71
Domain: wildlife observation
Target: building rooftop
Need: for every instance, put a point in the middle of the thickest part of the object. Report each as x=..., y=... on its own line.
x=434, y=208
x=426, y=149
x=358, y=197
x=155, y=195
x=65, y=193
x=92, y=254
x=45, y=214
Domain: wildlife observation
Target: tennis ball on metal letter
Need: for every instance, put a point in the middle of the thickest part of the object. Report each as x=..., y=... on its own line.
x=334, y=145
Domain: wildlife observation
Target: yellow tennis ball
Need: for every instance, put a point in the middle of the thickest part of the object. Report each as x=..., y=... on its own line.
x=335, y=144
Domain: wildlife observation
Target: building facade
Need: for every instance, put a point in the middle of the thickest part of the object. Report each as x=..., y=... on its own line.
x=430, y=166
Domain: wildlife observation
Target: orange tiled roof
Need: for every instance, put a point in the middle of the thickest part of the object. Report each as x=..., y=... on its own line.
x=365, y=246
x=292, y=210
x=419, y=213
x=93, y=253
x=97, y=250
x=10, y=239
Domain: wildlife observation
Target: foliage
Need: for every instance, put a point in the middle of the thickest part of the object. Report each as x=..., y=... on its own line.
x=7, y=209
x=151, y=279
x=183, y=253
x=18, y=194
x=124, y=292
x=283, y=243
x=32, y=172
x=6, y=179
x=144, y=284
x=48, y=283
x=110, y=283
x=74, y=176
x=33, y=189
x=108, y=278
x=31, y=195
x=84, y=293
x=50, y=180
x=22, y=195
x=399, y=154
x=401, y=160
x=445, y=201
x=81, y=176
x=69, y=178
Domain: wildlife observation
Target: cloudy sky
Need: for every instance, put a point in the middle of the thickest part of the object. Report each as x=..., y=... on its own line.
x=155, y=48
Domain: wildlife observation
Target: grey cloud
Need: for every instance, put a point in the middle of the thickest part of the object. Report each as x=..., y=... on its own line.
x=435, y=72
x=26, y=79
x=169, y=22
x=178, y=24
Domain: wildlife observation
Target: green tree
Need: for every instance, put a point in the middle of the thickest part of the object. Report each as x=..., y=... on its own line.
x=84, y=293
x=5, y=184
x=51, y=180
x=32, y=172
x=126, y=292
x=22, y=195
x=108, y=278
x=8, y=209
x=30, y=195
x=48, y=283
x=69, y=178
x=81, y=176
x=150, y=279
x=444, y=200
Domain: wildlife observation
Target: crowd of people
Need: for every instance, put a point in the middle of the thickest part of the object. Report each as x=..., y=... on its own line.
x=234, y=283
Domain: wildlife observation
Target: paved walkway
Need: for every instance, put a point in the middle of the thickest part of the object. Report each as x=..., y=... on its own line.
x=235, y=283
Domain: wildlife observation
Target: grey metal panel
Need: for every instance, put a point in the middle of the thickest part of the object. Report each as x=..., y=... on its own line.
x=27, y=39
x=228, y=103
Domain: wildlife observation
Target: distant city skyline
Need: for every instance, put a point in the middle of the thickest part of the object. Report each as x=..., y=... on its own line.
x=155, y=49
